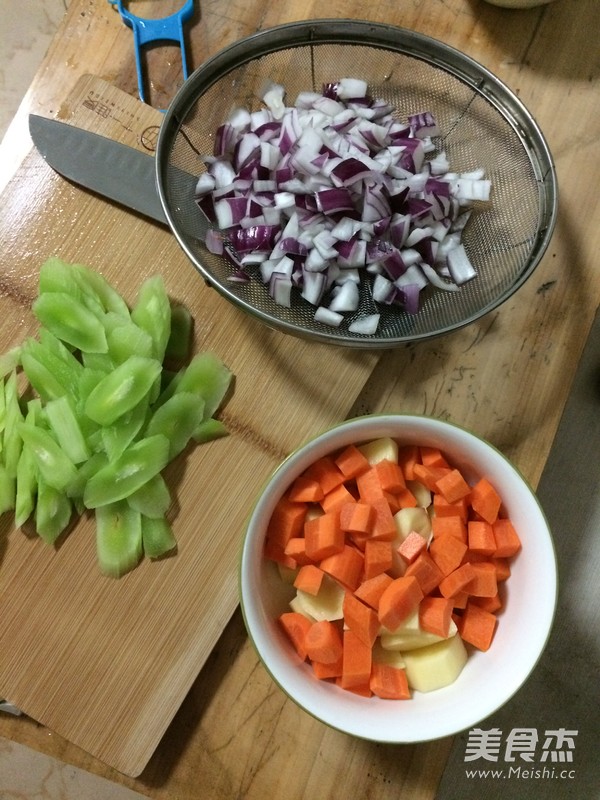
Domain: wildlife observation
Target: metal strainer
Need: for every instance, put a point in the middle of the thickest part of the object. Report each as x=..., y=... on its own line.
x=483, y=124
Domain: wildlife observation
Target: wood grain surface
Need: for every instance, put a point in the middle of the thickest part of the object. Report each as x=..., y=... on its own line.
x=232, y=733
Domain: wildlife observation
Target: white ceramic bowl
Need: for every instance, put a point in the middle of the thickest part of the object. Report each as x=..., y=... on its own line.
x=490, y=678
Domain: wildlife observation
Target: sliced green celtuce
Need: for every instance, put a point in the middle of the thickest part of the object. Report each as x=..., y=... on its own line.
x=157, y=537
x=137, y=464
x=71, y=321
x=118, y=538
x=106, y=416
x=122, y=389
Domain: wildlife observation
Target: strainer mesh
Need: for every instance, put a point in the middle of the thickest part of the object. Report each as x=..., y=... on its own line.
x=501, y=238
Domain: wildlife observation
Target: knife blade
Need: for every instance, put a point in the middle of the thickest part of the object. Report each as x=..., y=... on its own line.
x=114, y=170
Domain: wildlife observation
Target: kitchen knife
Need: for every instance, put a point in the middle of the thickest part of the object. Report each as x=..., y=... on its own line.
x=112, y=169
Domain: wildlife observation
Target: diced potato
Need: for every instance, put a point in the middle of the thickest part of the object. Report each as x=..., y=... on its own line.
x=296, y=605
x=412, y=519
x=410, y=636
x=436, y=665
x=392, y=657
x=326, y=604
x=379, y=450
x=420, y=492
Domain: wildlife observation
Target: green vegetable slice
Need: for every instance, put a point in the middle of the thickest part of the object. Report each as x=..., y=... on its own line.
x=52, y=512
x=115, y=438
x=7, y=490
x=180, y=338
x=177, y=419
x=210, y=429
x=10, y=361
x=152, y=312
x=26, y=488
x=127, y=339
x=118, y=538
x=152, y=499
x=66, y=429
x=70, y=320
x=122, y=389
x=12, y=442
x=118, y=479
x=54, y=466
x=157, y=537
x=110, y=298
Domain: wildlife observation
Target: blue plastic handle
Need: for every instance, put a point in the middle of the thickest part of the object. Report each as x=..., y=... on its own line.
x=148, y=31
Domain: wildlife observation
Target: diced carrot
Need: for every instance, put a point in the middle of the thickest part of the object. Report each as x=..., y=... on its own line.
x=309, y=579
x=485, y=500
x=392, y=501
x=359, y=540
x=502, y=568
x=275, y=552
x=323, y=642
x=452, y=486
x=406, y=499
x=345, y=566
x=384, y=527
x=491, y=604
x=480, y=535
x=426, y=571
x=449, y=526
x=389, y=683
x=411, y=547
x=286, y=521
x=484, y=582
x=327, y=671
x=399, y=600
x=508, y=542
x=442, y=508
x=460, y=600
x=351, y=462
x=378, y=557
x=357, y=517
x=356, y=661
x=361, y=619
x=457, y=580
x=477, y=626
x=390, y=475
x=364, y=690
x=408, y=456
x=435, y=614
x=370, y=590
x=369, y=487
x=324, y=537
x=429, y=476
x=432, y=457
x=447, y=552
x=296, y=549
x=326, y=472
x=305, y=490
x=336, y=498
x=296, y=626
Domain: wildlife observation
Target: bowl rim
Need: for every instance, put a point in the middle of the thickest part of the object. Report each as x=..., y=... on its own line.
x=366, y=427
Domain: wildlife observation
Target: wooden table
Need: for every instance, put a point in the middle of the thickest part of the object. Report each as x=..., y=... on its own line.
x=507, y=377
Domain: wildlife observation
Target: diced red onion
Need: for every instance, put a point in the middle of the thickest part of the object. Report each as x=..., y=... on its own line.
x=334, y=191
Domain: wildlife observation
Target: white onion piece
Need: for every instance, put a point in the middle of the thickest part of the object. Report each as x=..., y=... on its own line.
x=367, y=324
x=328, y=317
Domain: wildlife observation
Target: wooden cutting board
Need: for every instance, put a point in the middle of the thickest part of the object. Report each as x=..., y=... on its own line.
x=106, y=663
